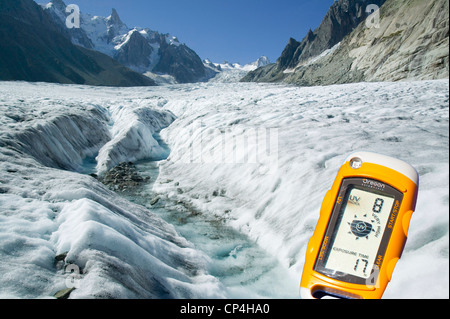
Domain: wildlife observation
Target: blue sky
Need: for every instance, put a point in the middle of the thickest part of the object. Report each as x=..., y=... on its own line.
x=233, y=30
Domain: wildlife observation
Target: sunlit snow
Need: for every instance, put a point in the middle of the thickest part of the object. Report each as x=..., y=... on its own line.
x=255, y=159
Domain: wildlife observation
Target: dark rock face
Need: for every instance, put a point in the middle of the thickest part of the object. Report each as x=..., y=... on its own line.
x=135, y=53
x=123, y=177
x=114, y=25
x=410, y=43
x=289, y=56
x=33, y=48
x=342, y=18
x=181, y=62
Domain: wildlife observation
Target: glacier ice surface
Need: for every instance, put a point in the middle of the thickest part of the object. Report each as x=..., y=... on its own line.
x=48, y=209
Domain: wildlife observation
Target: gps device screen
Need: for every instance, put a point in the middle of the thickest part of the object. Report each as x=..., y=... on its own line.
x=357, y=236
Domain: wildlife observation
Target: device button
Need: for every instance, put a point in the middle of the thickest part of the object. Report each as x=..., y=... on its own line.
x=390, y=268
x=406, y=221
x=325, y=201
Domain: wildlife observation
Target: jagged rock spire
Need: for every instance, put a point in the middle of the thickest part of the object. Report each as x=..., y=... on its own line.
x=114, y=17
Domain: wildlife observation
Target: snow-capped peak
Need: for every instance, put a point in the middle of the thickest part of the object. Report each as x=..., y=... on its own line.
x=171, y=40
x=262, y=61
x=58, y=7
x=233, y=72
x=114, y=18
x=59, y=4
x=137, y=48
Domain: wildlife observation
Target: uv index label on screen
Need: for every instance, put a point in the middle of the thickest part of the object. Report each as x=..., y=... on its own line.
x=362, y=228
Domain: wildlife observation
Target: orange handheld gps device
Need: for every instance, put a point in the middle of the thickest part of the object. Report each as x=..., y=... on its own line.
x=362, y=229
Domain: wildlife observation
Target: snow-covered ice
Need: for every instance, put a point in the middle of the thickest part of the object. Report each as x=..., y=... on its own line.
x=233, y=72
x=48, y=209
x=316, y=128
x=222, y=163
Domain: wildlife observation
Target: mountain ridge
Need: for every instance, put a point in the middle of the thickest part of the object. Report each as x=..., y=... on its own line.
x=33, y=48
x=141, y=49
x=415, y=47
x=342, y=17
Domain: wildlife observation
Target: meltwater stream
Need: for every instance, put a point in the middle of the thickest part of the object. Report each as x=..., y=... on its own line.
x=244, y=268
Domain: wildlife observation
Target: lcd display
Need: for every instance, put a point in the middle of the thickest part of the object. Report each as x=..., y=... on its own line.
x=359, y=233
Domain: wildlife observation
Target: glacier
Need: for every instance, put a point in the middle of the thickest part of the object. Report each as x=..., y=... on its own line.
x=54, y=212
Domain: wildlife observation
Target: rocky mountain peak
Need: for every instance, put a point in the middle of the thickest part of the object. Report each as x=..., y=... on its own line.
x=59, y=4
x=341, y=19
x=410, y=43
x=115, y=26
x=262, y=61
x=114, y=18
x=35, y=48
x=286, y=59
x=135, y=52
x=310, y=36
